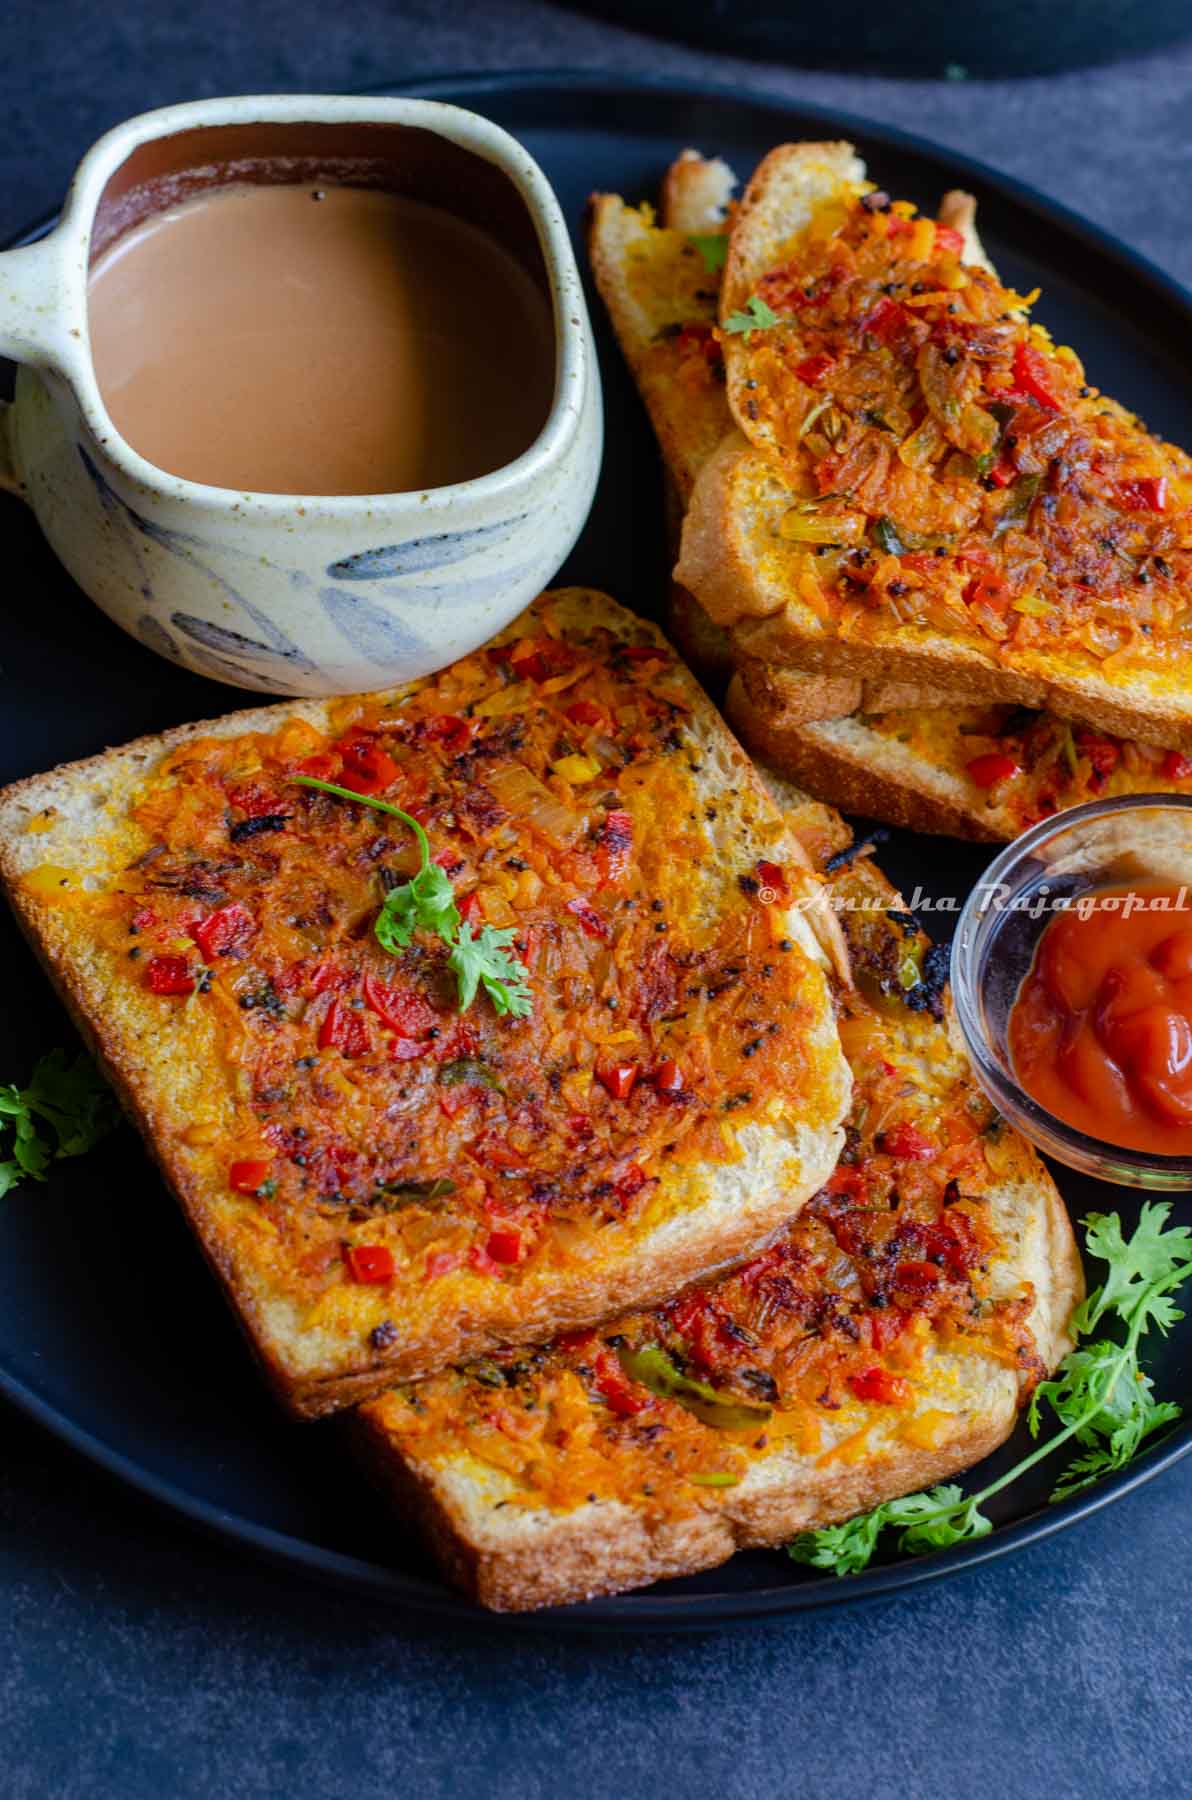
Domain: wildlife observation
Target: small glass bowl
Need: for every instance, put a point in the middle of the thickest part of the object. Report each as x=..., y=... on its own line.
x=1106, y=843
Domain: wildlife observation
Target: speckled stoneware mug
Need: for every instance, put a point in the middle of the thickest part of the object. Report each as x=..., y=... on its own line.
x=310, y=594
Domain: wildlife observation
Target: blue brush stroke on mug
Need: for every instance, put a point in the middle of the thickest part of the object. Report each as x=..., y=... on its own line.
x=371, y=630
x=273, y=645
x=418, y=554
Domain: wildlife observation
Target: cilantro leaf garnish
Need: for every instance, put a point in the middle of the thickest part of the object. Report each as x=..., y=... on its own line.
x=485, y=960
x=713, y=247
x=1100, y=1395
x=72, y=1099
x=427, y=903
x=756, y=317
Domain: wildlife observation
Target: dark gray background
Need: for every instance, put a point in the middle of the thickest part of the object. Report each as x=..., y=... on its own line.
x=138, y=1660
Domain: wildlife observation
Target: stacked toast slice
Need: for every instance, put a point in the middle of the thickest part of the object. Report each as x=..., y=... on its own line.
x=727, y=1313
x=1042, y=680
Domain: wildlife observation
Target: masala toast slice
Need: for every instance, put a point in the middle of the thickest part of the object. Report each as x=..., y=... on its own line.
x=924, y=486
x=388, y=1173
x=884, y=1342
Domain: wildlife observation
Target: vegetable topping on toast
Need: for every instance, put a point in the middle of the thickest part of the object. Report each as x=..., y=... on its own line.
x=949, y=465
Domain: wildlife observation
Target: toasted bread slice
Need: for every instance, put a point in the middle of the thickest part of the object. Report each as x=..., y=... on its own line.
x=991, y=454
x=837, y=1370
x=981, y=772
x=383, y=1185
x=662, y=298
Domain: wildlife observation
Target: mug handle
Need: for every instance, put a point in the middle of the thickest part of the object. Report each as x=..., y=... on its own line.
x=10, y=481
x=31, y=329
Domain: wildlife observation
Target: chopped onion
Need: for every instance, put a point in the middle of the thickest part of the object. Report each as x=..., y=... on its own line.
x=531, y=801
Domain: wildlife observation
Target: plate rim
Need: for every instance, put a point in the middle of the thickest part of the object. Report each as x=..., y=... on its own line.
x=647, y=1609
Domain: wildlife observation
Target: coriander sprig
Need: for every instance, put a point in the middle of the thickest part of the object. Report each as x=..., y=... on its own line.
x=427, y=902
x=72, y=1099
x=756, y=317
x=1101, y=1396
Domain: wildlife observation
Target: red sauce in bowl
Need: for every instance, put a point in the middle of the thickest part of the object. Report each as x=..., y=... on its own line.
x=1101, y=1031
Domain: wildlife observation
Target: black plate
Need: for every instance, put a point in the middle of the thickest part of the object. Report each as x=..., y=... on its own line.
x=110, y=1331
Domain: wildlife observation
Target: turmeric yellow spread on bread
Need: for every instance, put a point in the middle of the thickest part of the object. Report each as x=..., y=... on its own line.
x=385, y=1180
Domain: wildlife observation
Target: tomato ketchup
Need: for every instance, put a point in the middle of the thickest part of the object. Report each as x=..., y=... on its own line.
x=1101, y=1031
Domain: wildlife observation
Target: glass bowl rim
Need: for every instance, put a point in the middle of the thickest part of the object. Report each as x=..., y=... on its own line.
x=1034, y=1120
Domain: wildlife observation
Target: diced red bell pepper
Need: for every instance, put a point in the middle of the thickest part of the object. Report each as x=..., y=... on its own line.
x=469, y=908
x=630, y=1183
x=447, y=729
x=255, y=801
x=988, y=771
x=879, y=1385
x=622, y=1396
x=541, y=659
x=1177, y=766
x=918, y=1277
x=169, y=975
x=324, y=765
x=504, y=1246
x=1033, y=375
x=343, y=1029
x=1146, y=495
x=1102, y=752
x=247, y=1176
x=668, y=1077
x=773, y=882
x=367, y=769
x=1003, y=472
x=326, y=976
x=371, y=1264
x=584, y=712
x=591, y=923
x=989, y=590
x=885, y=320
x=948, y=238
x=812, y=369
x=403, y=1011
x=619, y=1078
x=702, y=1327
x=614, y=846
x=906, y=1142
x=224, y=930
x=846, y=1178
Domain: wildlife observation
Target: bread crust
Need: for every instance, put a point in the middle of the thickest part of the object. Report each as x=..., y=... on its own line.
x=852, y=776
x=159, y=1081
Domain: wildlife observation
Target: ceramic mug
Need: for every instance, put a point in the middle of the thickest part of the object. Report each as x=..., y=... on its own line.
x=293, y=594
